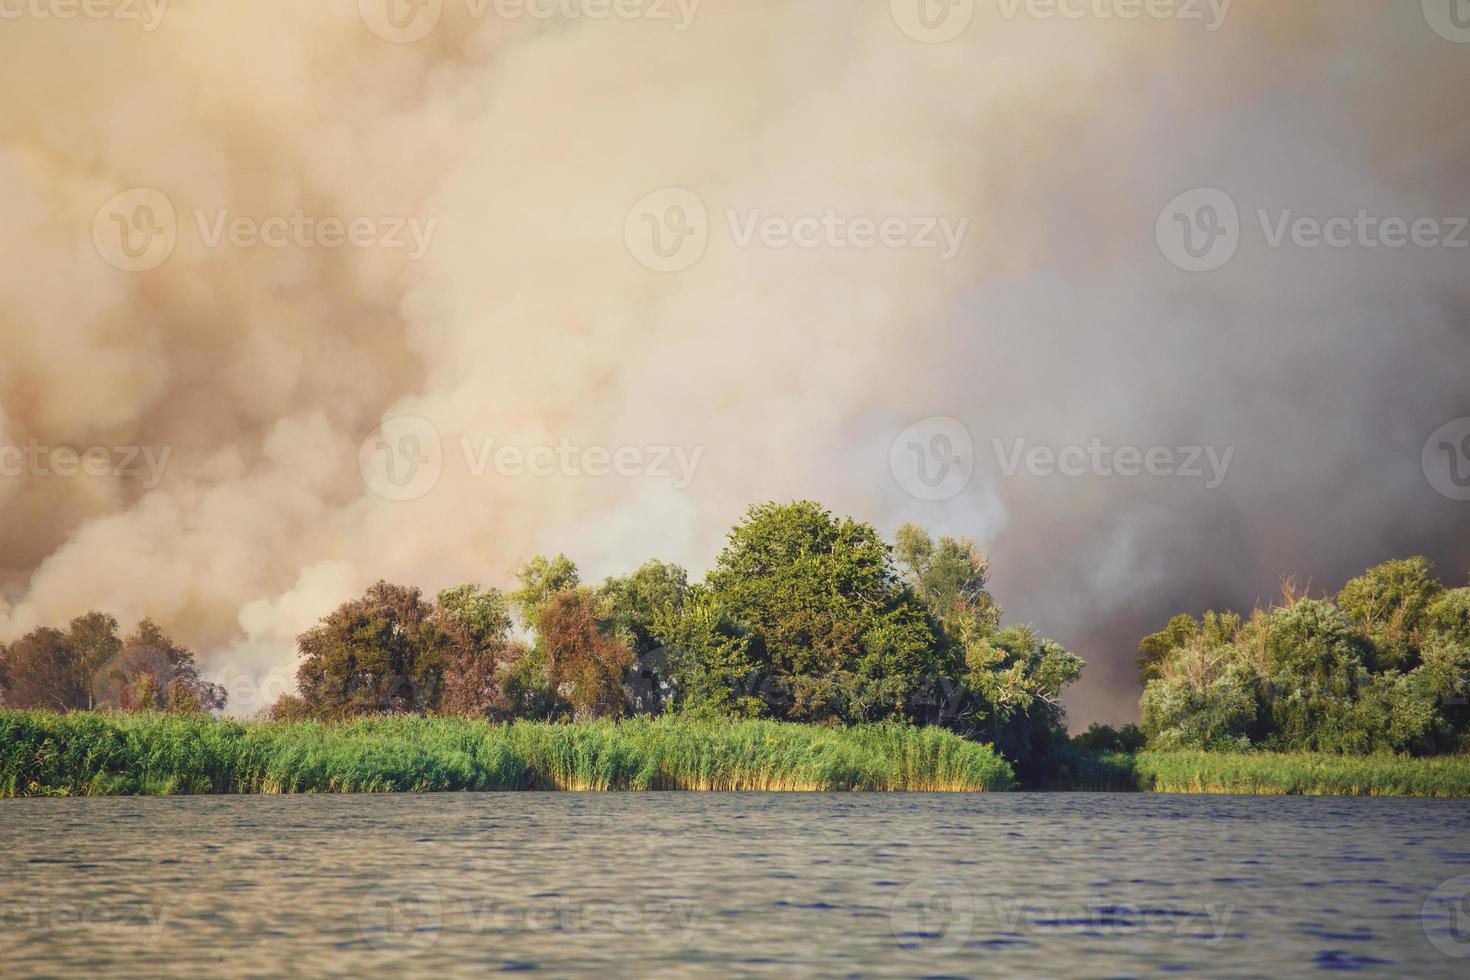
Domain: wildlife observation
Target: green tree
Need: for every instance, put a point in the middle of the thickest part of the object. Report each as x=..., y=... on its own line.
x=541, y=578
x=708, y=657
x=379, y=654
x=1006, y=683
x=470, y=627
x=831, y=627
x=1390, y=603
x=60, y=671
x=634, y=602
x=154, y=673
x=585, y=663
x=43, y=670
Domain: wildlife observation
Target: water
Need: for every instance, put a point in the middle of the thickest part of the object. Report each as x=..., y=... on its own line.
x=685, y=884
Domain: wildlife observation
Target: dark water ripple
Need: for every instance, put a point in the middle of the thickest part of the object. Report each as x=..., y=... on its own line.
x=759, y=885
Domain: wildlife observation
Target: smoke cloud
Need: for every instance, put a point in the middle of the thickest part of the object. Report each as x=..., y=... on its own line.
x=414, y=298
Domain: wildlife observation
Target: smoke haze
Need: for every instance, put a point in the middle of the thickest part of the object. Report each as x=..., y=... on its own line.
x=518, y=150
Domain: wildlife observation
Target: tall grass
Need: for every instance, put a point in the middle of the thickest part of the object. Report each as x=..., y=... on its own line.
x=1266, y=773
x=103, y=754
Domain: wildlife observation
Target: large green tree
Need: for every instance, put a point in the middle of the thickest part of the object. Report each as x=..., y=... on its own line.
x=833, y=631
x=378, y=654
x=1385, y=668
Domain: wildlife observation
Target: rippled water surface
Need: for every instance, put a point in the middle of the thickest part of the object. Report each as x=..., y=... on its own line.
x=679, y=884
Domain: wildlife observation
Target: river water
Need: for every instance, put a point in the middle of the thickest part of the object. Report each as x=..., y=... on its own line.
x=681, y=884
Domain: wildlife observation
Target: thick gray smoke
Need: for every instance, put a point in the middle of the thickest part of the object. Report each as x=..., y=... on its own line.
x=493, y=231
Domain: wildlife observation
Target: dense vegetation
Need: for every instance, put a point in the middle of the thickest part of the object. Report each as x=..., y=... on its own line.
x=88, y=666
x=808, y=618
x=96, y=754
x=1384, y=668
x=1264, y=773
x=805, y=617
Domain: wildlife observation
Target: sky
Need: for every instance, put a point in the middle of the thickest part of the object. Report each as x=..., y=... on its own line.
x=1157, y=302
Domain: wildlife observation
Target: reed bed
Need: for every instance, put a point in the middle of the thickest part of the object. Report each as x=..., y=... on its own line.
x=1266, y=773
x=86, y=754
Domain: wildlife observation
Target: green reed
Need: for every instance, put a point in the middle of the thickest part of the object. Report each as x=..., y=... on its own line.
x=104, y=754
x=1266, y=773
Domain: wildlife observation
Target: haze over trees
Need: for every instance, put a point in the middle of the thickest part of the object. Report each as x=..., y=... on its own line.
x=805, y=617
x=810, y=617
x=89, y=666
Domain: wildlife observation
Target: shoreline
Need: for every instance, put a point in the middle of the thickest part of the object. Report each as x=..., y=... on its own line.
x=115, y=754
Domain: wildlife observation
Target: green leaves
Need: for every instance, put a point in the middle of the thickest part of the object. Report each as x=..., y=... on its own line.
x=1384, y=669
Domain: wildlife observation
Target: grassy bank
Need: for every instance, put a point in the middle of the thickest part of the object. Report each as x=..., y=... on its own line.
x=107, y=754
x=1265, y=773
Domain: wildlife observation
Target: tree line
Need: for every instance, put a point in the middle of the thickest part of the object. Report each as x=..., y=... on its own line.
x=1383, y=667
x=90, y=666
x=806, y=616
